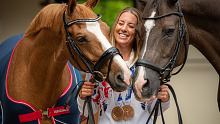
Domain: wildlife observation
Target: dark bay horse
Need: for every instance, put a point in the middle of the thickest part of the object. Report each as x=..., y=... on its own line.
x=168, y=27
x=39, y=74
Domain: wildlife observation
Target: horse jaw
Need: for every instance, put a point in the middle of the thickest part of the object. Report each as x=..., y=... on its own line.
x=121, y=80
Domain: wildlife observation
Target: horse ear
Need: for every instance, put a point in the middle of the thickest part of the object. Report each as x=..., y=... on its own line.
x=71, y=6
x=142, y=2
x=91, y=3
x=172, y=2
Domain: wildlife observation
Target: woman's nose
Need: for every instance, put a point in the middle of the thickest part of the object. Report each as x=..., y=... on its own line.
x=124, y=28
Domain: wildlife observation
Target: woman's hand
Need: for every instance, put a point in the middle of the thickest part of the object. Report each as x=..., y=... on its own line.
x=164, y=94
x=86, y=90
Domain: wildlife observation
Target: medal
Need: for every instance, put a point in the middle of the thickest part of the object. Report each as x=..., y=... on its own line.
x=118, y=113
x=128, y=112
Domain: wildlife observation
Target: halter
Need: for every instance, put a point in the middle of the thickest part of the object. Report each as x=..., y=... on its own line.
x=108, y=54
x=182, y=35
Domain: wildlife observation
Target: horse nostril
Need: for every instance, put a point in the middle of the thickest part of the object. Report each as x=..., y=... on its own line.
x=145, y=86
x=120, y=84
x=119, y=78
x=120, y=81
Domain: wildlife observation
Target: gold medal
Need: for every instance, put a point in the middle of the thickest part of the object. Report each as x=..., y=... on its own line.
x=128, y=112
x=118, y=113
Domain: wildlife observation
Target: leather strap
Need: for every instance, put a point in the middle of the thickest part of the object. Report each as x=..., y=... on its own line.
x=158, y=105
x=39, y=114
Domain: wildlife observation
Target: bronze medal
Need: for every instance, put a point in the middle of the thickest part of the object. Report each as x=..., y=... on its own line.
x=118, y=113
x=128, y=112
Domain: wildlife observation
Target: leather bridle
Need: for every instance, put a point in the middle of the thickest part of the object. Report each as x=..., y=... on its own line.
x=108, y=54
x=182, y=35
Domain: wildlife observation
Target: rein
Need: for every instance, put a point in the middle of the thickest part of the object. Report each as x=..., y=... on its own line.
x=182, y=35
x=107, y=55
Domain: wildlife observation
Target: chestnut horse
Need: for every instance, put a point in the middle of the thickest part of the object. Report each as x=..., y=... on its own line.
x=167, y=28
x=38, y=74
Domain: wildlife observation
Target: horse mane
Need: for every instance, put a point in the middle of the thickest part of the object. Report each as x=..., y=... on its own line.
x=51, y=15
x=47, y=17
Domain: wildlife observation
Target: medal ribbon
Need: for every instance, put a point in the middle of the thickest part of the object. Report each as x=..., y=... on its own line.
x=127, y=98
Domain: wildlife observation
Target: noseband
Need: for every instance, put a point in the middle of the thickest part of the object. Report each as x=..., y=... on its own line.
x=108, y=54
x=182, y=35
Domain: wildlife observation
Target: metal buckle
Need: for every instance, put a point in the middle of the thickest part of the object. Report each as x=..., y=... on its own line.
x=45, y=113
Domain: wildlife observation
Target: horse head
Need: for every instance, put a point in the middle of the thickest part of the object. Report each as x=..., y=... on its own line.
x=81, y=38
x=92, y=38
x=162, y=32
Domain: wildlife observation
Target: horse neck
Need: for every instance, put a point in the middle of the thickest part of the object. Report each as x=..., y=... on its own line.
x=202, y=20
x=47, y=59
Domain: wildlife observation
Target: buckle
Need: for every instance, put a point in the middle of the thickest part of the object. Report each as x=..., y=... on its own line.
x=45, y=113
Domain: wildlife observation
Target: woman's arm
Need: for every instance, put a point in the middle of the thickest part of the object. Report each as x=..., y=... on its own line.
x=165, y=98
x=87, y=90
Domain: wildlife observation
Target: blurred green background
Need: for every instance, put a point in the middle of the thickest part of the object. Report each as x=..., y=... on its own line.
x=110, y=9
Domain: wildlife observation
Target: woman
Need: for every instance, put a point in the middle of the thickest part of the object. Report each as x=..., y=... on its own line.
x=122, y=107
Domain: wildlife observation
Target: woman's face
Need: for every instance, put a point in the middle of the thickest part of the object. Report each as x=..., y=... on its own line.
x=125, y=29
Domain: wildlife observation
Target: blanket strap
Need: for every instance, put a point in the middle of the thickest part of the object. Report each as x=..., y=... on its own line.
x=39, y=114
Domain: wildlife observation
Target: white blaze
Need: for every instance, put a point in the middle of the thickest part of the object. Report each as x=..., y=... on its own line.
x=140, y=81
x=149, y=24
x=94, y=27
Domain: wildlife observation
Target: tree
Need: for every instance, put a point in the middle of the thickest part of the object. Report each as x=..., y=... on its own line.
x=110, y=9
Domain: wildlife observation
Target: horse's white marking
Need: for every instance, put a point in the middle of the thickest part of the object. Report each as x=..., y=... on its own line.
x=94, y=27
x=149, y=24
x=140, y=81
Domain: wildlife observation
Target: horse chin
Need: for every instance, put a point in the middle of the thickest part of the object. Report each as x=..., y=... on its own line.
x=143, y=97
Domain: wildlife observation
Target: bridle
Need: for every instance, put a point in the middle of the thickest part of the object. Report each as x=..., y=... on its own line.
x=182, y=35
x=108, y=54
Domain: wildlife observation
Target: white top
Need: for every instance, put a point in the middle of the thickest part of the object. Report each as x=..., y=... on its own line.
x=105, y=98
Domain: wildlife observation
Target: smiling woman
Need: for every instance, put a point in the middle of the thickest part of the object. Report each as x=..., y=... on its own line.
x=125, y=33
x=121, y=106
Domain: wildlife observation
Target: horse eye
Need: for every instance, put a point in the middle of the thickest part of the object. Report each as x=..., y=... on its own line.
x=81, y=39
x=169, y=32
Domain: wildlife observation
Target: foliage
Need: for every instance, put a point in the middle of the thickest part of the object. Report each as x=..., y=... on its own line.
x=110, y=9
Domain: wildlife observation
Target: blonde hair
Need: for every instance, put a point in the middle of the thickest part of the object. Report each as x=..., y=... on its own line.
x=136, y=43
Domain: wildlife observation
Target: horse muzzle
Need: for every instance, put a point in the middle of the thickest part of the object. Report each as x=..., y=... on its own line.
x=145, y=84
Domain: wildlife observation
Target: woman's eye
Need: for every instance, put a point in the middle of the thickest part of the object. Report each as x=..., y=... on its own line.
x=131, y=26
x=120, y=23
x=81, y=39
